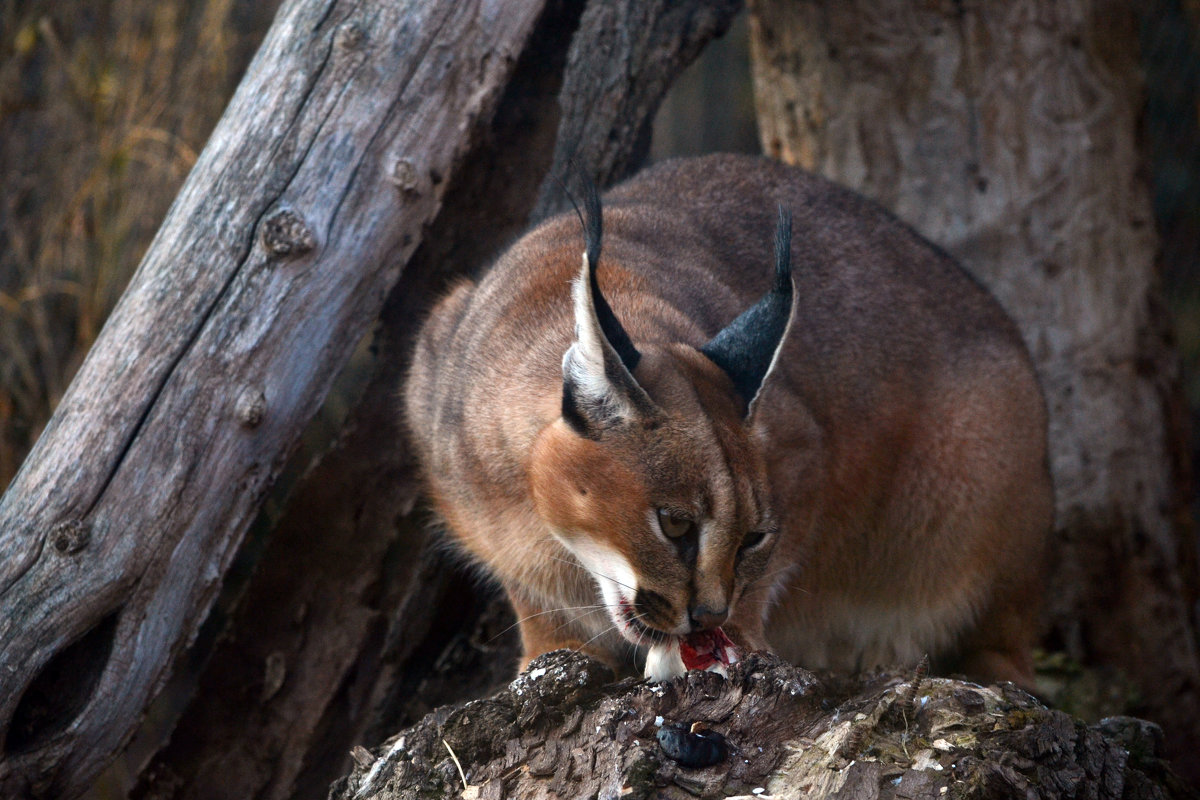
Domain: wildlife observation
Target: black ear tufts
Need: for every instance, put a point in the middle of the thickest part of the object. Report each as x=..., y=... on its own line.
x=593, y=222
x=783, y=252
x=599, y=390
x=745, y=348
x=593, y=231
x=590, y=217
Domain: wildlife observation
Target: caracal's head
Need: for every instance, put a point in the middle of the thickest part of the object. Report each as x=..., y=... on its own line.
x=654, y=483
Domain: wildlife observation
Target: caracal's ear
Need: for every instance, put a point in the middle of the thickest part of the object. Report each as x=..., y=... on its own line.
x=599, y=390
x=747, y=348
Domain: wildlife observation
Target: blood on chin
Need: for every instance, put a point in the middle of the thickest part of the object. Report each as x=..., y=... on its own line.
x=708, y=650
x=633, y=629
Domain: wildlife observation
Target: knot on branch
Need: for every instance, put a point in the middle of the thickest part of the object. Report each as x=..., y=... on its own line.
x=405, y=176
x=285, y=233
x=251, y=406
x=71, y=536
x=349, y=36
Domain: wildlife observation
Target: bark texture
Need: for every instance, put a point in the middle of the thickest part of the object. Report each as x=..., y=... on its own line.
x=272, y=263
x=342, y=601
x=558, y=731
x=1006, y=132
x=616, y=77
x=355, y=624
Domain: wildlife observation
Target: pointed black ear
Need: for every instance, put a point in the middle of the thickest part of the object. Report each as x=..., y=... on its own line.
x=599, y=389
x=593, y=227
x=747, y=347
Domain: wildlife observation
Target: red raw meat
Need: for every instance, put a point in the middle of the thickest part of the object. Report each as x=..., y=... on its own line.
x=702, y=649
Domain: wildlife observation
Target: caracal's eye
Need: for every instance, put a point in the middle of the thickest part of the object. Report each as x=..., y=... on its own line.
x=753, y=539
x=673, y=526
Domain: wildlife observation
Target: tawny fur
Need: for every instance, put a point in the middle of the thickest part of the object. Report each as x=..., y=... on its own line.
x=896, y=452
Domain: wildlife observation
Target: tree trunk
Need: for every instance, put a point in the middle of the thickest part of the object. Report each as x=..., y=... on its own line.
x=560, y=730
x=347, y=631
x=271, y=264
x=1007, y=133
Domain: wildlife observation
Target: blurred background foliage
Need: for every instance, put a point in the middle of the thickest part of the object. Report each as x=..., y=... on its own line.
x=104, y=105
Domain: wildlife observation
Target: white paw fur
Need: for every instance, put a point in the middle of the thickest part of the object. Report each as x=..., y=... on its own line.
x=663, y=661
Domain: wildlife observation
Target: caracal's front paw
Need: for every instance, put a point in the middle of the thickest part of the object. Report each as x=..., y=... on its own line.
x=663, y=661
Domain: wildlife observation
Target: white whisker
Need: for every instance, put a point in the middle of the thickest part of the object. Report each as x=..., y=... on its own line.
x=592, y=609
x=594, y=638
x=594, y=574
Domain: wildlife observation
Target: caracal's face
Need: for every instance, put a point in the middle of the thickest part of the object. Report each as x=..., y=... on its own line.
x=671, y=516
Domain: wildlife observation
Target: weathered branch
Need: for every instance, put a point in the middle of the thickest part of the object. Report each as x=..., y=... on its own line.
x=344, y=549
x=619, y=67
x=274, y=259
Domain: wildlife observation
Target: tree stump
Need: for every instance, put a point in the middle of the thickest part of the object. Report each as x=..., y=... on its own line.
x=561, y=730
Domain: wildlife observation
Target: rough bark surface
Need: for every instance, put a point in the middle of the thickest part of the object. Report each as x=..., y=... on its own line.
x=560, y=730
x=1006, y=132
x=270, y=266
x=350, y=550
x=334, y=641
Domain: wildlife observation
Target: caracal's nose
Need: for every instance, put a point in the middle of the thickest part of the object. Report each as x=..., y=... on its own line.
x=705, y=618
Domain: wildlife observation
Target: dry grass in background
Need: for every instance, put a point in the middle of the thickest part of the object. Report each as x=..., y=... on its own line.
x=104, y=105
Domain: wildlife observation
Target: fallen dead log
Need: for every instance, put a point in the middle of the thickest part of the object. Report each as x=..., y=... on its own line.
x=275, y=259
x=562, y=729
